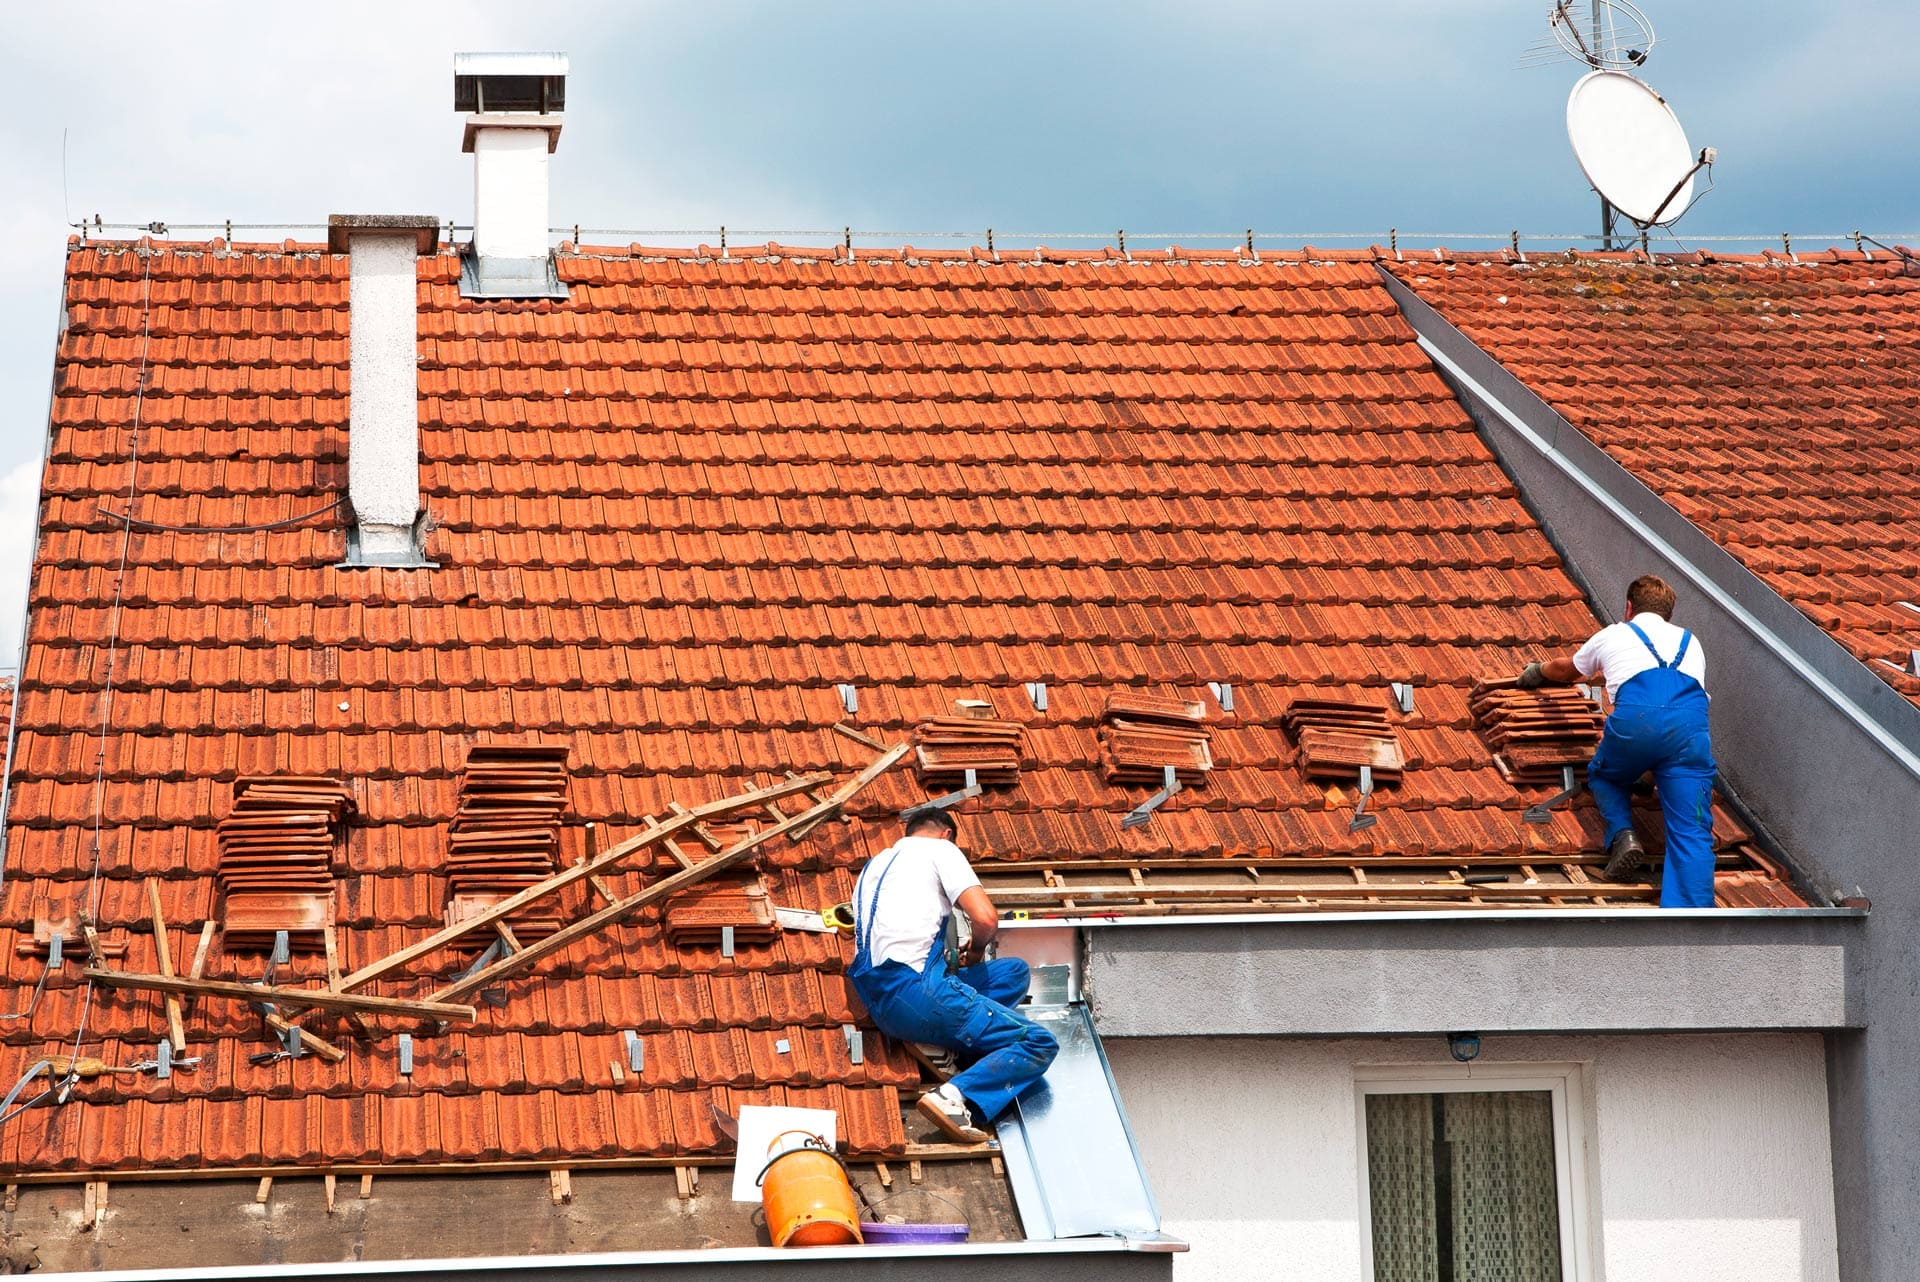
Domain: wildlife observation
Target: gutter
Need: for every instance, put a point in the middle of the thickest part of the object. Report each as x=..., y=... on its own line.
x=1533, y=916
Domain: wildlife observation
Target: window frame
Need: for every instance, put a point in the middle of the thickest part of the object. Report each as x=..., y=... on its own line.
x=1563, y=1081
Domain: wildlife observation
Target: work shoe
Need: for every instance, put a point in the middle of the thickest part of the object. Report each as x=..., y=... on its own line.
x=938, y=1060
x=946, y=1110
x=1625, y=855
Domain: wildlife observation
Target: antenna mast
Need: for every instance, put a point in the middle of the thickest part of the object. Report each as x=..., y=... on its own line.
x=1607, y=223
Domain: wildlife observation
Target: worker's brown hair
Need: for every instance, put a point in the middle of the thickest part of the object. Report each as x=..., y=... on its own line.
x=931, y=817
x=1649, y=594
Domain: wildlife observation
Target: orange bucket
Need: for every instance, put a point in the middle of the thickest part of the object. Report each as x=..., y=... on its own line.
x=806, y=1194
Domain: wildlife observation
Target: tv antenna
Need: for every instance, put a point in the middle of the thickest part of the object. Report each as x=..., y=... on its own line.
x=1627, y=139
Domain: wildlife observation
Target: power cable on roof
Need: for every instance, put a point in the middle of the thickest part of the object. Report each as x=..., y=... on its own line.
x=157, y=527
x=113, y=655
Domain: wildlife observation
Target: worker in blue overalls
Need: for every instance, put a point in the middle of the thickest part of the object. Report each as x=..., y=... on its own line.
x=1658, y=676
x=901, y=904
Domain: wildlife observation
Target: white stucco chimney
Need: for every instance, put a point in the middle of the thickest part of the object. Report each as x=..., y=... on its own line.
x=383, y=425
x=513, y=103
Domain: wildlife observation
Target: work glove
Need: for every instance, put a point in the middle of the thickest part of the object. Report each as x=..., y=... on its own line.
x=1532, y=677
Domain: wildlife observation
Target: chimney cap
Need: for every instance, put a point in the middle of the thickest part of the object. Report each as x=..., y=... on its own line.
x=491, y=82
x=425, y=229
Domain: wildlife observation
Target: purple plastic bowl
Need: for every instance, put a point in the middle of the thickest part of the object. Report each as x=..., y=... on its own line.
x=911, y=1234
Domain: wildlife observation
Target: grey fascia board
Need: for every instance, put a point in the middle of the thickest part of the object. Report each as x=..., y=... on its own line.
x=1823, y=663
x=1059, y=1261
x=1664, y=971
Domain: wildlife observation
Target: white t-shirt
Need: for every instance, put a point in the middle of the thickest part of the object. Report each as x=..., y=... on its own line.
x=1618, y=656
x=924, y=876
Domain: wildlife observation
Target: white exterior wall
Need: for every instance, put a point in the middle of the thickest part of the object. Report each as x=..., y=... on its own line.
x=383, y=433
x=510, y=192
x=1707, y=1156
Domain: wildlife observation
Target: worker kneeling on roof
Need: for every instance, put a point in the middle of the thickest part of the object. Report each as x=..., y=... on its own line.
x=1658, y=676
x=901, y=906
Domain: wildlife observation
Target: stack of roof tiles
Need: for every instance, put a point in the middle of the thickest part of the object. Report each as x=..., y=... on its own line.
x=1536, y=733
x=276, y=858
x=1144, y=734
x=672, y=513
x=697, y=917
x=1768, y=398
x=1337, y=737
x=505, y=836
x=947, y=747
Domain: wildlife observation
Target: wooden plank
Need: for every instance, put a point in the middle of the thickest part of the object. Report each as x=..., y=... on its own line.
x=864, y=740
x=90, y=1207
x=265, y=1190
x=667, y=886
x=163, y=951
x=328, y=1185
x=560, y=880
x=884, y=1175
x=560, y=1186
x=147, y=1175
x=357, y=1024
x=312, y=1042
x=366, y=1187
x=200, y=952
x=315, y=997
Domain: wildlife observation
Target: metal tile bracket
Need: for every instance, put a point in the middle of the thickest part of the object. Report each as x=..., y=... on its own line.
x=1223, y=694
x=1143, y=812
x=971, y=789
x=849, y=697
x=1037, y=692
x=163, y=1062
x=292, y=1040
x=856, y=1043
x=406, y=1054
x=1361, y=820
x=636, y=1050
x=726, y=941
x=783, y=1047
x=1403, y=695
x=1542, y=812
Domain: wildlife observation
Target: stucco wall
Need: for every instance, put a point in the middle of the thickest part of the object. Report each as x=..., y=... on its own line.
x=1707, y=1154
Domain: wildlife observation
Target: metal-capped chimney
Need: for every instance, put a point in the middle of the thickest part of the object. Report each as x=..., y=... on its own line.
x=513, y=103
x=383, y=426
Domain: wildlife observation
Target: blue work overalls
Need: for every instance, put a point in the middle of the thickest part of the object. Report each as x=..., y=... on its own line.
x=1659, y=723
x=969, y=1011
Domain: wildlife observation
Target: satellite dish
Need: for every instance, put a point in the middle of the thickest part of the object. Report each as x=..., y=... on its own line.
x=1631, y=147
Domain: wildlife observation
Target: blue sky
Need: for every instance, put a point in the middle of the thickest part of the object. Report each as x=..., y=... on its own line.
x=1056, y=118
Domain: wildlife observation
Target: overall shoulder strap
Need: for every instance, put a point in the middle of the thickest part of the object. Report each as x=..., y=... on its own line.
x=1643, y=641
x=1686, y=639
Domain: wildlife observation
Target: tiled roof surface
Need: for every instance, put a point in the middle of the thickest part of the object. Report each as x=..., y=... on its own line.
x=673, y=513
x=1774, y=404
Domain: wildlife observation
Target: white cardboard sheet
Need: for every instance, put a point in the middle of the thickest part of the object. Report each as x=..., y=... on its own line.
x=758, y=1127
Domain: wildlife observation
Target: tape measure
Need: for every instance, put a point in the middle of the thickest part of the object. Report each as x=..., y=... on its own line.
x=840, y=917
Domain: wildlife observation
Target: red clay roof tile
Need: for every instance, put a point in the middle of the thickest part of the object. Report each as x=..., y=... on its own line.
x=673, y=513
x=1768, y=401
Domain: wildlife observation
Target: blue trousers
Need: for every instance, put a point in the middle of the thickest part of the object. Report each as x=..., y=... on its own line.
x=1674, y=743
x=970, y=1011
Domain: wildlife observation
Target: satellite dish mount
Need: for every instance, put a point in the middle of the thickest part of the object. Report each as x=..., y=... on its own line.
x=1628, y=141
